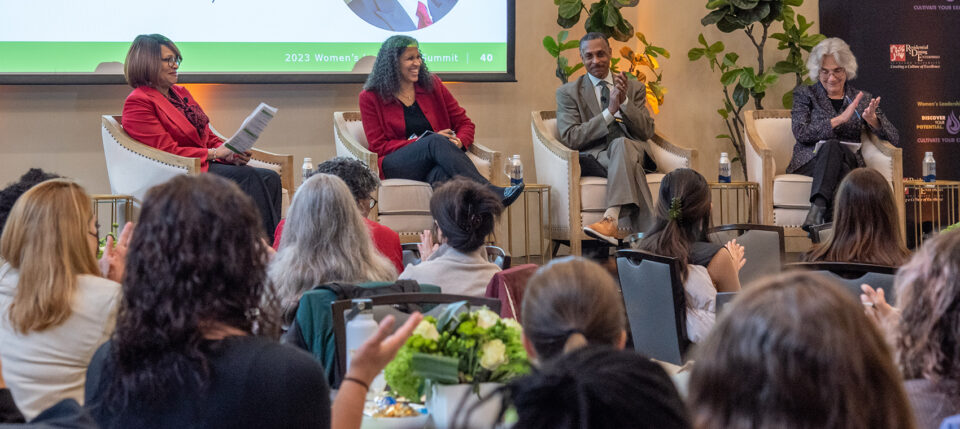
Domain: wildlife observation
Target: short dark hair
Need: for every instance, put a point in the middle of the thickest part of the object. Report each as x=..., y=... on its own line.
x=466, y=213
x=9, y=195
x=354, y=173
x=142, y=66
x=594, y=35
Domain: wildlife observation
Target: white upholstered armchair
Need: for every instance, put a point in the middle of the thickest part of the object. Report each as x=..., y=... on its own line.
x=134, y=167
x=785, y=198
x=578, y=201
x=404, y=205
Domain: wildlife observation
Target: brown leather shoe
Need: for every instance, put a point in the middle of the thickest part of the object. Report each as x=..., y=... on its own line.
x=605, y=230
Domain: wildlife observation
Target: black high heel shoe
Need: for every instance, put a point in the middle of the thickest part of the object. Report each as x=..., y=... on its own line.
x=511, y=193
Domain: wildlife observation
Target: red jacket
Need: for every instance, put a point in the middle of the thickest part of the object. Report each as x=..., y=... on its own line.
x=385, y=239
x=386, y=129
x=151, y=119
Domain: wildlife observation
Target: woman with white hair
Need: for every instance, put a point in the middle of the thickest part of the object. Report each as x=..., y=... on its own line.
x=827, y=117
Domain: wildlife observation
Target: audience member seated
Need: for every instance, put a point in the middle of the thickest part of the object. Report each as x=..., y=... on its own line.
x=829, y=114
x=362, y=183
x=190, y=348
x=164, y=115
x=926, y=327
x=325, y=241
x=794, y=351
x=56, y=307
x=14, y=190
x=598, y=387
x=682, y=217
x=866, y=224
x=413, y=123
x=465, y=213
x=569, y=303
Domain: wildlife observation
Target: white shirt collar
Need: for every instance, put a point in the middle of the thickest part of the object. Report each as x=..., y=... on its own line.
x=410, y=7
x=595, y=81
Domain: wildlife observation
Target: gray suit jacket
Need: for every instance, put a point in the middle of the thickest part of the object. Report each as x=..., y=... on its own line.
x=388, y=15
x=580, y=116
x=811, y=116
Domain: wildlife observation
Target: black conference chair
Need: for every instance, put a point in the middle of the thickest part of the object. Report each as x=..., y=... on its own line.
x=763, y=248
x=654, y=300
x=852, y=275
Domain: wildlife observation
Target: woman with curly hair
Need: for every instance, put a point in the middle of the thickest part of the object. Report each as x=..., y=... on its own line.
x=795, y=352
x=413, y=123
x=325, y=240
x=56, y=307
x=925, y=327
x=682, y=217
x=190, y=348
x=866, y=224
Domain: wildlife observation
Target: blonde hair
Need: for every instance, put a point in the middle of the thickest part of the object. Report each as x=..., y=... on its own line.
x=325, y=240
x=45, y=238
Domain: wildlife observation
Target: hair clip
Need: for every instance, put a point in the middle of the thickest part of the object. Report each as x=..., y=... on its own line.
x=675, y=213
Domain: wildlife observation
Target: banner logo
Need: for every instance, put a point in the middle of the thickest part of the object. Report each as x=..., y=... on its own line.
x=953, y=124
x=898, y=53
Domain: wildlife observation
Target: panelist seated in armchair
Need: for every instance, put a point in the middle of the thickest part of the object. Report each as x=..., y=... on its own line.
x=414, y=125
x=828, y=119
x=164, y=115
x=604, y=116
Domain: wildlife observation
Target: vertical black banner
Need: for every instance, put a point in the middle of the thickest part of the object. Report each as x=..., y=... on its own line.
x=908, y=52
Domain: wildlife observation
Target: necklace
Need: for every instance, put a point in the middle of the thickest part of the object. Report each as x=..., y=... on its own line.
x=407, y=97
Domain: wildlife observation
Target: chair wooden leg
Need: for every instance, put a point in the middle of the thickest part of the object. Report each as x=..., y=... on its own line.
x=576, y=245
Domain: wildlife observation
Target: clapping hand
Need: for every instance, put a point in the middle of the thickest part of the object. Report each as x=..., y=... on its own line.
x=426, y=246
x=619, y=92
x=870, y=113
x=115, y=254
x=737, y=253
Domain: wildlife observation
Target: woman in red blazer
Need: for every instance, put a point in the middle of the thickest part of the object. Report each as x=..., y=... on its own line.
x=163, y=115
x=414, y=124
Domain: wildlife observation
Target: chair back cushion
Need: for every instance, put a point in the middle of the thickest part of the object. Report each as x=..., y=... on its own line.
x=355, y=130
x=653, y=299
x=129, y=172
x=763, y=250
x=508, y=286
x=777, y=134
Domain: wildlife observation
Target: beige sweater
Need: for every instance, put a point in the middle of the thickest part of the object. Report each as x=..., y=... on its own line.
x=455, y=272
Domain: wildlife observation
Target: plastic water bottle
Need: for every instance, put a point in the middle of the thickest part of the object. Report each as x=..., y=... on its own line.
x=929, y=168
x=359, y=329
x=514, y=170
x=724, y=176
x=307, y=168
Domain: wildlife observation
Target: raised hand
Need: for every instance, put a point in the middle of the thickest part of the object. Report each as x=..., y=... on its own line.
x=114, y=257
x=870, y=113
x=426, y=246
x=736, y=252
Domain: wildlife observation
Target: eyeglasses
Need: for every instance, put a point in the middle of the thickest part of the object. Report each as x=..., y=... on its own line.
x=172, y=61
x=373, y=202
x=95, y=234
x=837, y=73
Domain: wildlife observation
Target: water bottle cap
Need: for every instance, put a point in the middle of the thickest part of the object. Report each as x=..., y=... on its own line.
x=723, y=154
x=362, y=304
x=928, y=154
x=307, y=159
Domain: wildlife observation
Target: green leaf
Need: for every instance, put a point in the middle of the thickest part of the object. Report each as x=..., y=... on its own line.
x=740, y=96
x=623, y=31
x=442, y=369
x=724, y=113
x=611, y=15
x=627, y=3
x=793, y=3
x=713, y=17
x=642, y=38
x=747, y=78
x=785, y=67
x=745, y=4
x=568, y=22
x=703, y=41
x=729, y=77
x=659, y=50
x=695, y=53
x=723, y=136
x=713, y=4
x=729, y=25
x=449, y=314
x=569, y=8
x=551, y=46
x=571, y=70
x=716, y=48
x=788, y=100
x=566, y=46
x=730, y=59
x=562, y=35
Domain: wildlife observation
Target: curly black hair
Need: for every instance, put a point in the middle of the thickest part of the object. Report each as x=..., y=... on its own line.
x=9, y=195
x=196, y=259
x=361, y=181
x=384, y=79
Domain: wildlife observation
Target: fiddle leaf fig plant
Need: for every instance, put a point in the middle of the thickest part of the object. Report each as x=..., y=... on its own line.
x=796, y=40
x=555, y=47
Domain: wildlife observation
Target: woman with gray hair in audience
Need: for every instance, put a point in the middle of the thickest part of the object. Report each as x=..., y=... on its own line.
x=828, y=118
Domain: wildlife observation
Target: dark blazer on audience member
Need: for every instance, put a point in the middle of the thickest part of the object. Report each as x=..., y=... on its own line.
x=151, y=119
x=388, y=15
x=386, y=128
x=811, y=116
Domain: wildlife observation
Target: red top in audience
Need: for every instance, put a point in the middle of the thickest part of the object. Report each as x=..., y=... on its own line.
x=386, y=240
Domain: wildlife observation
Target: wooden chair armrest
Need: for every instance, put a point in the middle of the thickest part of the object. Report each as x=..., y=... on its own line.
x=112, y=124
x=688, y=153
x=350, y=144
x=495, y=159
x=286, y=166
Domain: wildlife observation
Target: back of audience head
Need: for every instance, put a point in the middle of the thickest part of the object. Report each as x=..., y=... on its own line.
x=682, y=216
x=196, y=265
x=796, y=351
x=48, y=238
x=325, y=240
x=598, y=387
x=466, y=213
x=866, y=223
x=928, y=295
x=14, y=190
x=359, y=179
x=569, y=303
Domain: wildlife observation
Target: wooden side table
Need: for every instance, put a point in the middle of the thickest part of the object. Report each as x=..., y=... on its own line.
x=735, y=202
x=540, y=193
x=929, y=203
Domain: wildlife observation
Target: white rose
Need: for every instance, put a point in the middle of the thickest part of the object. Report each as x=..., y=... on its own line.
x=512, y=323
x=486, y=318
x=493, y=354
x=427, y=330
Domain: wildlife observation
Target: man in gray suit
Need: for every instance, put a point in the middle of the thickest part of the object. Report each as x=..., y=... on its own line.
x=604, y=116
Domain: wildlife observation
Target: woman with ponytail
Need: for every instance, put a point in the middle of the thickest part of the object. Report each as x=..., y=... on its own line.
x=680, y=231
x=465, y=213
x=568, y=304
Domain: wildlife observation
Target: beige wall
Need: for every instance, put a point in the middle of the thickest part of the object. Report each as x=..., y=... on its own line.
x=57, y=127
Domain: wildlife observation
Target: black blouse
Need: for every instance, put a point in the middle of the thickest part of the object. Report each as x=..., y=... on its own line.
x=193, y=112
x=415, y=120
